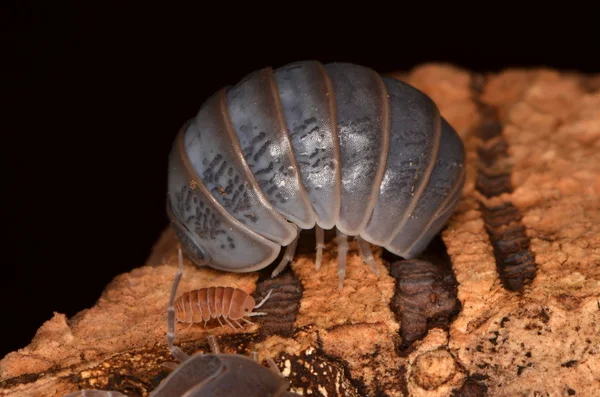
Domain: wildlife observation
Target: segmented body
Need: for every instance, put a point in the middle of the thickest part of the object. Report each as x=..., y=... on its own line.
x=311, y=145
x=204, y=304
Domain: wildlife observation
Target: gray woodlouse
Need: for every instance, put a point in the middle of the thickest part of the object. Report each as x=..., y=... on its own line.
x=311, y=145
x=215, y=374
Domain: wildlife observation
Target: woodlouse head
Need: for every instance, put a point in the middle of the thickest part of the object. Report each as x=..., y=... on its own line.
x=244, y=308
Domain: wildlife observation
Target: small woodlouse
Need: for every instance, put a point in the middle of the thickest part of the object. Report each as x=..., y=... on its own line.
x=229, y=304
x=210, y=375
x=311, y=145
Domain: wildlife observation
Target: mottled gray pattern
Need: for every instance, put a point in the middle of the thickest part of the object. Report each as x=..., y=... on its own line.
x=214, y=152
x=447, y=172
x=229, y=245
x=255, y=116
x=310, y=116
x=414, y=141
x=437, y=224
x=189, y=242
x=363, y=130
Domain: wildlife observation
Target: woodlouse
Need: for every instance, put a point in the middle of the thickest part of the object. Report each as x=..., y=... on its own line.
x=229, y=304
x=215, y=374
x=311, y=145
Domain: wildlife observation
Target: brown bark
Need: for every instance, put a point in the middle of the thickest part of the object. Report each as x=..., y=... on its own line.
x=515, y=308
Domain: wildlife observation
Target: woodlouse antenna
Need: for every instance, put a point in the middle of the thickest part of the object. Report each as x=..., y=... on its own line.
x=179, y=354
x=259, y=305
x=257, y=314
x=264, y=299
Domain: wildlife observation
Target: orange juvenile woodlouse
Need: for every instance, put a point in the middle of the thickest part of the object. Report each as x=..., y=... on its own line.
x=204, y=304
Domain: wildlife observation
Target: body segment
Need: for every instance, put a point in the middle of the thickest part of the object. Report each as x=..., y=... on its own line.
x=309, y=111
x=363, y=120
x=413, y=147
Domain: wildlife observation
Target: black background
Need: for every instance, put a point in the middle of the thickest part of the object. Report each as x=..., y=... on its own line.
x=97, y=94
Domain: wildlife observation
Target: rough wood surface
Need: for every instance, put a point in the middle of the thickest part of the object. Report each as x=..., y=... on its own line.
x=512, y=310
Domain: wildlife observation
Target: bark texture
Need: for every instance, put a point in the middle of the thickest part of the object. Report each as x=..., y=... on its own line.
x=508, y=305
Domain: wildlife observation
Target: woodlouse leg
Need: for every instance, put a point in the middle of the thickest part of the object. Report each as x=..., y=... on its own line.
x=179, y=354
x=249, y=322
x=257, y=314
x=287, y=256
x=366, y=254
x=214, y=346
x=188, y=327
x=342, y=241
x=320, y=246
x=219, y=320
x=264, y=299
x=238, y=323
x=254, y=355
x=231, y=325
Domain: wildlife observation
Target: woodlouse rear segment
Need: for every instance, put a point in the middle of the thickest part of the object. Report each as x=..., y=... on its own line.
x=311, y=145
